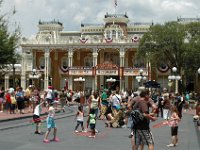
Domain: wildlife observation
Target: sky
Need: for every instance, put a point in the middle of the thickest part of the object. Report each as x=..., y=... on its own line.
x=74, y=12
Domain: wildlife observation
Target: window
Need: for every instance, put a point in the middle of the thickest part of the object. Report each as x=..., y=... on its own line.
x=64, y=62
x=88, y=62
x=41, y=63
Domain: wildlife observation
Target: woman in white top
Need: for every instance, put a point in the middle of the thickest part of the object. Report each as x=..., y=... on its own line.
x=94, y=102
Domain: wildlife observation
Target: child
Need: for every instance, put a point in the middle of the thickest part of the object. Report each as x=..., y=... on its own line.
x=13, y=103
x=79, y=118
x=36, y=117
x=92, y=122
x=51, y=124
x=173, y=122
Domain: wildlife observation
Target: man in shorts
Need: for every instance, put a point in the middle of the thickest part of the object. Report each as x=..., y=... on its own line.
x=142, y=133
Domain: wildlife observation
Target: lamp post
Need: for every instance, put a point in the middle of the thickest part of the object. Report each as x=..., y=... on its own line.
x=140, y=78
x=175, y=77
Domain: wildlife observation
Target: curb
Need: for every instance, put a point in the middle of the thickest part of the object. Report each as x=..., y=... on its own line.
x=68, y=114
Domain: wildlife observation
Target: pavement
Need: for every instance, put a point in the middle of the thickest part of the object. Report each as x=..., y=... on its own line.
x=20, y=138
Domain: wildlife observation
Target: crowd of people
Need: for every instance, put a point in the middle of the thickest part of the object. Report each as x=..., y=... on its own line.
x=116, y=108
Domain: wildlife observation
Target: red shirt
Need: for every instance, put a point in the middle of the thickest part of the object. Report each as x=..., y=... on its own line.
x=8, y=98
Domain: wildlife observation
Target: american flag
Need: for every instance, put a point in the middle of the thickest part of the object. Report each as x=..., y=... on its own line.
x=115, y=3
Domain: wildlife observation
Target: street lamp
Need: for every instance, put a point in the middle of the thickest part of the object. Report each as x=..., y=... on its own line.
x=198, y=71
x=140, y=78
x=175, y=78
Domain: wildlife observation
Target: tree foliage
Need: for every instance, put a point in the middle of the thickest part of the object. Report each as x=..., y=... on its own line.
x=173, y=44
x=8, y=41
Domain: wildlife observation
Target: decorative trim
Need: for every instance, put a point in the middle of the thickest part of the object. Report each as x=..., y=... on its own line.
x=135, y=38
x=83, y=40
x=163, y=68
x=64, y=68
x=109, y=40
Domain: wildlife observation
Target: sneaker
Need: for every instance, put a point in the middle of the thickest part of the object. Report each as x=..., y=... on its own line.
x=91, y=136
x=84, y=131
x=96, y=131
x=46, y=141
x=170, y=145
x=36, y=132
x=56, y=140
x=76, y=131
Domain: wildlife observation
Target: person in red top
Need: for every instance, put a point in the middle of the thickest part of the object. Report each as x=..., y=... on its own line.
x=8, y=101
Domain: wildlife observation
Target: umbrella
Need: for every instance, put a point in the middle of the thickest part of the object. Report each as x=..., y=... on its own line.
x=152, y=84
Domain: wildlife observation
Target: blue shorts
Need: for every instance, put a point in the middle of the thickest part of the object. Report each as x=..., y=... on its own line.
x=50, y=122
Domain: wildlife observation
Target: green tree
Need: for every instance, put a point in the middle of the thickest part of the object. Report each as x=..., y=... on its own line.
x=8, y=42
x=164, y=44
x=192, y=61
x=173, y=44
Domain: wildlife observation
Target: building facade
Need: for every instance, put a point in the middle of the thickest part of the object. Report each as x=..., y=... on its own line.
x=87, y=59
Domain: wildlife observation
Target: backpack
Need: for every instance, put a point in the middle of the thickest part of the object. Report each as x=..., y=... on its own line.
x=136, y=117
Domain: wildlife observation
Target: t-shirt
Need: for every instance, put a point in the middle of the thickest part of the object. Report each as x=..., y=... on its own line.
x=143, y=106
x=37, y=110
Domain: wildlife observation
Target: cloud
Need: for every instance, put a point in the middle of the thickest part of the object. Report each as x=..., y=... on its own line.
x=73, y=13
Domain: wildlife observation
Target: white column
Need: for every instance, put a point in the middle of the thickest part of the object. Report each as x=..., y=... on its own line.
x=23, y=71
x=46, y=70
x=70, y=63
x=94, y=81
x=122, y=54
x=6, y=83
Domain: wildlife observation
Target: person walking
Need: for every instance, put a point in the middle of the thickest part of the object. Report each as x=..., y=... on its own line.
x=51, y=125
x=63, y=99
x=79, y=119
x=142, y=132
x=173, y=122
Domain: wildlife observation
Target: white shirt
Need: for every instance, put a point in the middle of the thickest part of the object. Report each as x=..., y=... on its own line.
x=51, y=112
x=116, y=100
x=37, y=110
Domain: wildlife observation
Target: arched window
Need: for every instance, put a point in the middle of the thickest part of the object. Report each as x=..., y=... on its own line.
x=108, y=34
x=113, y=33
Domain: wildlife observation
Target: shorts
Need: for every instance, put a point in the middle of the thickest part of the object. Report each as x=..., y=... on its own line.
x=1, y=100
x=36, y=119
x=174, y=131
x=92, y=126
x=51, y=123
x=143, y=136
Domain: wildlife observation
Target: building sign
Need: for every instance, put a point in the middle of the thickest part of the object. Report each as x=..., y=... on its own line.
x=107, y=69
x=135, y=71
x=80, y=71
x=107, y=72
